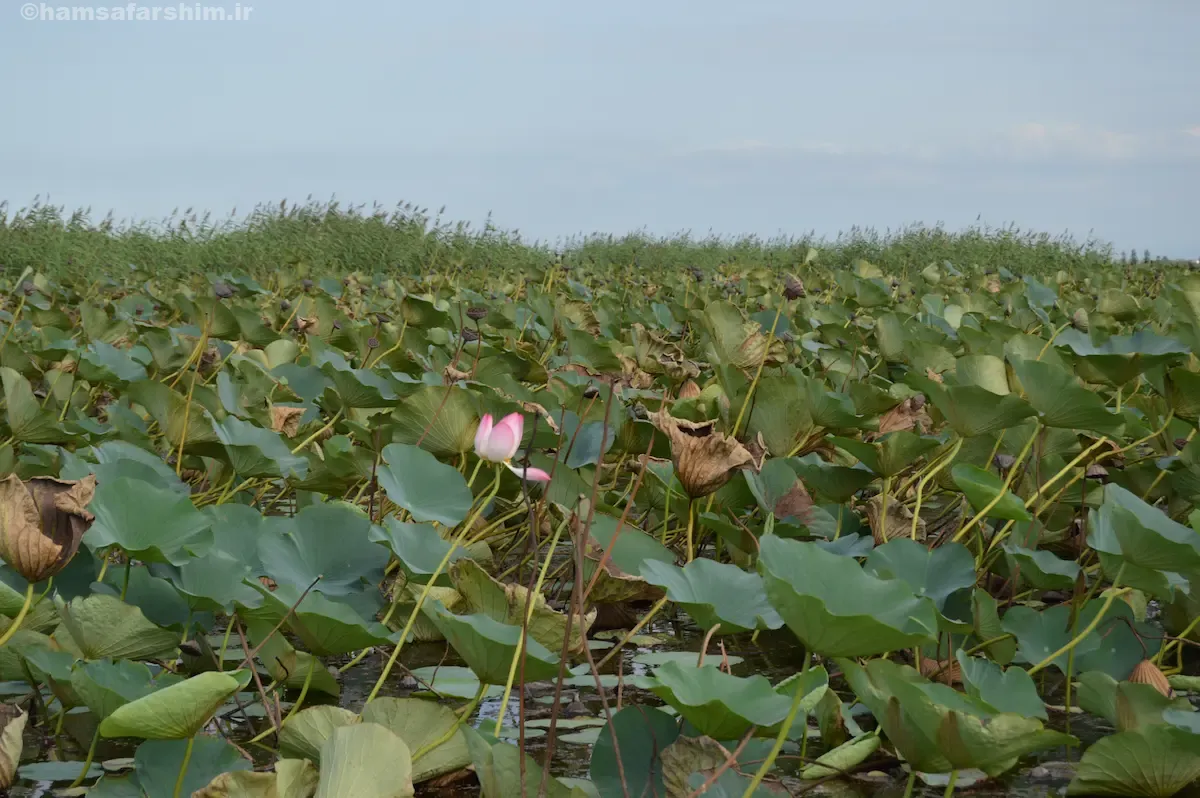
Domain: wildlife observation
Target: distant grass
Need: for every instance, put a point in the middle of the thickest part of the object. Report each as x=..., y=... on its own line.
x=328, y=239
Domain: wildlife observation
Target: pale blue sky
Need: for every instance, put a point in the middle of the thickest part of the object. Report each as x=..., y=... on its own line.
x=762, y=116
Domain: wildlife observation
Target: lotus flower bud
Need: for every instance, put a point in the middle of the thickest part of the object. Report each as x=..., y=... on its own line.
x=1147, y=672
x=42, y=522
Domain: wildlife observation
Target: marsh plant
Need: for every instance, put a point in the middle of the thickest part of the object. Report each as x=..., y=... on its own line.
x=673, y=518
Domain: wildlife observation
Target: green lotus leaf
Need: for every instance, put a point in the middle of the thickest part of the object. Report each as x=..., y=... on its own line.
x=157, y=764
x=716, y=703
x=488, y=646
x=330, y=541
x=981, y=488
x=430, y=490
x=149, y=523
x=971, y=410
x=327, y=627
x=641, y=732
x=842, y=758
x=1042, y=569
x=1061, y=401
x=104, y=627
x=106, y=685
x=420, y=723
x=1115, y=646
x=935, y=574
x=175, y=712
x=286, y=665
x=443, y=419
x=255, y=451
x=1122, y=358
x=367, y=760
x=1003, y=689
x=418, y=547
x=305, y=733
x=1128, y=706
x=1142, y=535
x=837, y=609
x=1155, y=762
x=712, y=592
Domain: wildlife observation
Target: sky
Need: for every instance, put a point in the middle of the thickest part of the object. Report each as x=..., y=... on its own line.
x=558, y=118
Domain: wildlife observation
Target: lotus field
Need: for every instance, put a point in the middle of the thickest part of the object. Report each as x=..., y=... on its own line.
x=787, y=521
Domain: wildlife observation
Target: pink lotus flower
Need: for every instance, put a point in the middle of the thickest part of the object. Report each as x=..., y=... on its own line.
x=497, y=442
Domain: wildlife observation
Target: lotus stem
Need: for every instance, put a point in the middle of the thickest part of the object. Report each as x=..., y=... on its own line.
x=691, y=552
x=529, y=602
x=762, y=362
x=224, y=645
x=650, y=613
x=125, y=583
x=412, y=617
x=187, y=757
x=1000, y=494
x=304, y=444
x=950, y=784
x=780, y=738
x=912, y=780
x=16, y=622
x=945, y=461
x=87, y=763
x=16, y=315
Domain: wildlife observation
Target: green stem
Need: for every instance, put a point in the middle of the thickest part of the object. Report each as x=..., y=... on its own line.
x=691, y=552
x=304, y=443
x=16, y=622
x=412, y=618
x=87, y=763
x=950, y=784
x=1003, y=489
x=529, y=600
x=758, y=374
x=187, y=757
x=933, y=472
x=125, y=584
x=912, y=780
x=783, y=731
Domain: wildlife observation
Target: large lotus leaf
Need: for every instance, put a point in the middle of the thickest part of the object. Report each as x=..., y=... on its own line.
x=716, y=703
x=430, y=490
x=356, y=388
x=53, y=668
x=214, y=582
x=508, y=604
x=628, y=549
x=642, y=734
x=287, y=666
x=156, y=597
x=149, y=523
x=498, y=766
x=971, y=410
x=837, y=609
x=1142, y=535
x=1042, y=569
x=325, y=626
x=306, y=732
x=933, y=573
x=330, y=541
x=1121, y=358
x=116, y=459
x=293, y=778
x=987, y=626
x=1061, y=401
x=365, y=760
x=1003, y=689
x=175, y=712
x=488, y=646
x=255, y=451
x=418, y=547
x=994, y=744
x=839, y=483
x=170, y=409
x=420, y=723
x=104, y=627
x=981, y=488
x=1183, y=392
x=986, y=371
x=443, y=419
x=157, y=764
x=1112, y=647
x=105, y=363
x=780, y=414
x=712, y=592
x=105, y=685
x=938, y=729
x=1155, y=762
x=24, y=415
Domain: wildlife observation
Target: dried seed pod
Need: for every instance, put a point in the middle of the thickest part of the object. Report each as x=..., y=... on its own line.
x=1096, y=472
x=306, y=284
x=1004, y=461
x=223, y=290
x=591, y=392
x=285, y=305
x=793, y=288
x=477, y=313
x=469, y=334
x=372, y=342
